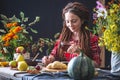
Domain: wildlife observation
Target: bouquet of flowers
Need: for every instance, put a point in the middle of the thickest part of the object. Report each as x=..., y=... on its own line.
x=107, y=24
x=14, y=34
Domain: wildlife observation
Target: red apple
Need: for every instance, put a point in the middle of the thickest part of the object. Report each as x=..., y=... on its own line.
x=20, y=49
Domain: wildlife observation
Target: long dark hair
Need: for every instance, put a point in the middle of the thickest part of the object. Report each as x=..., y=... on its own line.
x=82, y=12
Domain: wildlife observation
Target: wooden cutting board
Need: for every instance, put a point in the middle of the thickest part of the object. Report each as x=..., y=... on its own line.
x=53, y=70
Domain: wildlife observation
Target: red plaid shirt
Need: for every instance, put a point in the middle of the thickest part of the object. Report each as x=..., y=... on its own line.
x=94, y=47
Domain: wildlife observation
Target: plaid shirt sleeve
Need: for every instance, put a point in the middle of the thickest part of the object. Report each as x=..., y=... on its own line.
x=95, y=49
x=54, y=50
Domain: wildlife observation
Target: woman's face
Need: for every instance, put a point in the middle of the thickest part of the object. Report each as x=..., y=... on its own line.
x=73, y=22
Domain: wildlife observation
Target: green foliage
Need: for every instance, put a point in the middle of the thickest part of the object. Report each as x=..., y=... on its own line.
x=44, y=42
x=16, y=33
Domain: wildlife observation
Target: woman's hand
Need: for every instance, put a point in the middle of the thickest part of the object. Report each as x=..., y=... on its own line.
x=74, y=48
x=47, y=59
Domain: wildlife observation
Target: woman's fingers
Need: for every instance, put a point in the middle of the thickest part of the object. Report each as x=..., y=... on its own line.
x=47, y=59
x=72, y=48
x=44, y=60
x=51, y=58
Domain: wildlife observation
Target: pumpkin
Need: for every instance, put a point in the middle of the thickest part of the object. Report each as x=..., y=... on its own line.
x=81, y=67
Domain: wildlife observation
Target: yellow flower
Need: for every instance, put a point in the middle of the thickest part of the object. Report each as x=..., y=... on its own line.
x=113, y=28
x=110, y=33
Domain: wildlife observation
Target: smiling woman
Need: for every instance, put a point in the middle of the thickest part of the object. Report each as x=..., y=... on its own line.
x=75, y=17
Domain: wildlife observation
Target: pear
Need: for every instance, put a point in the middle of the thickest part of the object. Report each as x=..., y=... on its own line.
x=20, y=58
x=22, y=66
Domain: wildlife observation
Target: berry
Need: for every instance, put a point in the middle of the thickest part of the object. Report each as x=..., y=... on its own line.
x=38, y=67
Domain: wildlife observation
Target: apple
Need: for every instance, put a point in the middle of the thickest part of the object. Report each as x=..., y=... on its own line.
x=13, y=64
x=20, y=49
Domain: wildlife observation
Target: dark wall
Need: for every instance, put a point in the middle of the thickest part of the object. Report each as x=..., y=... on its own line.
x=48, y=10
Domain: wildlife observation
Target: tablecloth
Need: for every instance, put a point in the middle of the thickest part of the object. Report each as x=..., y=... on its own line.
x=102, y=75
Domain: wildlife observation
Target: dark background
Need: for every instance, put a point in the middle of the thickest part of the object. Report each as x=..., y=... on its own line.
x=49, y=12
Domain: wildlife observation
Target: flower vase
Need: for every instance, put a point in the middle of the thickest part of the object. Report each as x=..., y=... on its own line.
x=115, y=63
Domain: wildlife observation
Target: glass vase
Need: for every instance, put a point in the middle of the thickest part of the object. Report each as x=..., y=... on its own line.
x=115, y=63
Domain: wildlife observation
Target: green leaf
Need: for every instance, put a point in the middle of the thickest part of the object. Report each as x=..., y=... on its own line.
x=2, y=31
x=23, y=25
x=4, y=22
x=25, y=31
x=31, y=38
x=14, y=19
x=56, y=35
x=4, y=17
x=22, y=15
x=25, y=19
x=40, y=49
x=33, y=30
x=37, y=19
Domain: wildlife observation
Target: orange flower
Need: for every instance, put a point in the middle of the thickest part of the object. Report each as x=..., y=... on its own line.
x=6, y=43
x=14, y=23
x=11, y=34
x=4, y=38
x=8, y=38
x=15, y=36
x=17, y=29
x=9, y=25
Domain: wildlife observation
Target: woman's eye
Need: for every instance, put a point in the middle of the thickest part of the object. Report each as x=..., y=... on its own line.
x=67, y=21
x=74, y=21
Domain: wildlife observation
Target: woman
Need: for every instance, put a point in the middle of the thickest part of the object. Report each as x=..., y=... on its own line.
x=74, y=36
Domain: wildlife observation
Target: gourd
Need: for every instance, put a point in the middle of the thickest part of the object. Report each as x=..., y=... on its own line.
x=81, y=67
